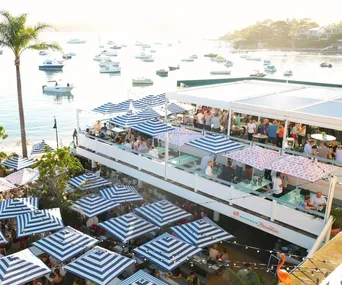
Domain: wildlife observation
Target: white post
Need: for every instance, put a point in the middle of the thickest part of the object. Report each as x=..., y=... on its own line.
x=284, y=135
x=166, y=143
x=273, y=210
x=78, y=120
x=216, y=216
x=229, y=122
x=333, y=181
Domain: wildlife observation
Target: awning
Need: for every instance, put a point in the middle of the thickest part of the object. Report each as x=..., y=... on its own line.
x=148, y=114
x=23, y=176
x=18, y=162
x=40, y=148
x=6, y=185
x=127, y=121
x=179, y=136
x=12, y=208
x=121, y=194
x=173, y=108
x=142, y=278
x=152, y=127
x=88, y=181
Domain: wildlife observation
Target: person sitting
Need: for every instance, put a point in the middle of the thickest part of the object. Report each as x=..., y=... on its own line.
x=223, y=256
x=213, y=252
x=176, y=273
x=204, y=161
x=153, y=152
x=323, y=151
x=128, y=144
x=318, y=201
x=193, y=279
x=104, y=129
x=209, y=169
x=243, y=273
x=308, y=150
x=143, y=147
x=277, y=188
x=305, y=204
x=58, y=278
x=228, y=171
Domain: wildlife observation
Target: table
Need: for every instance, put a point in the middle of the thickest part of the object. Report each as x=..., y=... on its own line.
x=294, y=196
x=183, y=159
x=160, y=149
x=246, y=184
x=117, y=130
x=321, y=138
x=260, y=136
x=204, y=267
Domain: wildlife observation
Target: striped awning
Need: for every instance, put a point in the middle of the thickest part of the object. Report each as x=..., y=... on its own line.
x=110, y=108
x=127, y=121
x=162, y=213
x=88, y=181
x=99, y=265
x=142, y=278
x=167, y=251
x=128, y=227
x=40, y=148
x=121, y=194
x=39, y=221
x=153, y=100
x=152, y=127
x=18, y=206
x=148, y=114
x=173, y=108
x=21, y=267
x=201, y=233
x=6, y=185
x=23, y=176
x=179, y=136
x=93, y=205
x=18, y=162
x=215, y=144
x=2, y=238
x=65, y=244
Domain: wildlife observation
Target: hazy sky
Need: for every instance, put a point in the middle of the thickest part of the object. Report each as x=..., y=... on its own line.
x=214, y=17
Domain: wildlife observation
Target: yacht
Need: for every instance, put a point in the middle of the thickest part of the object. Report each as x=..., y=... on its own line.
x=66, y=56
x=72, y=53
x=146, y=46
x=173, y=67
x=110, y=69
x=109, y=53
x=257, y=73
x=108, y=62
x=228, y=63
x=143, y=56
x=324, y=64
x=270, y=68
x=219, y=59
x=76, y=41
x=123, y=45
x=115, y=47
x=43, y=52
x=150, y=59
x=138, y=44
x=194, y=56
x=288, y=73
x=220, y=72
x=162, y=72
x=152, y=50
x=142, y=81
x=52, y=65
x=57, y=87
x=211, y=55
x=99, y=57
x=254, y=58
x=110, y=43
x=188, y=59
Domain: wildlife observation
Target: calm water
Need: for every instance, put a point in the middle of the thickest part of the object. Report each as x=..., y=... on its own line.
x=92, y=88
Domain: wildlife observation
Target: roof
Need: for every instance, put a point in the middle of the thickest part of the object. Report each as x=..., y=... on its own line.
x=314, y=105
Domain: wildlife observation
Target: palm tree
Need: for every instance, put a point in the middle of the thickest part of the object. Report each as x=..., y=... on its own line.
x=17, y=36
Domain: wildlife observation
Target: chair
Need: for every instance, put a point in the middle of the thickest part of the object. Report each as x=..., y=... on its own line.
x=290, y=143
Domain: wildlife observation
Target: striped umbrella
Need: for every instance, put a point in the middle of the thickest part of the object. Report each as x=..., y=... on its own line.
x=167, y=251
x=148, y=114
x=127, y=121
x=88, y=181
x=139, y=105
x=128, y=227
x=153, y=100
x=23, y=176
x=162, y=213
x=18, y=162
x=214, y=144
x=40, y=148
x=99, y=265
x=18, y=206
x=65, y=244
x=6, y=185
x=179, y=136
x=110, y=108
x=21, y=267
x=93, y=205
x=142, y=278
x=121, y=194
x=173, y=108
x=39, y=221
x=2, y=238
x=152, y=127
x=201, y=233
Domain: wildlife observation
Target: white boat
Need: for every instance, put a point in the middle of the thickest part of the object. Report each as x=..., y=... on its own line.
x=1, y=51
x=109, y=53
x=57, y=87
x=107, y=62
x=76, y=41
x=72, y=53
x=188, y=59
x=220, y=72
x=254, y=58
x=267, y=62
x=110, y=43
x=52, y=65
x=148, y=59
x=194, y=56
x=244, y=56
x=152, y=50
x=146, y=46
x=99, y=57
x=288, y=73
x=143, y=56
x=218, y=59
x=170, y=45
x=123, y=45
x=138, y=44
x=43, y=52
x=228, y=63
x=142, y=81
x=270, y=68
x=110, y=69
x=101, y=46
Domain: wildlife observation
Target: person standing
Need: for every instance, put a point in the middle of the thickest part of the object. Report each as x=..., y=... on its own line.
x=251, y=128
x=272, y=132
x=280, y=135
x=216, y=123
x=301, y=133
x=200, y=119
x=277, y=185
x=208, y=118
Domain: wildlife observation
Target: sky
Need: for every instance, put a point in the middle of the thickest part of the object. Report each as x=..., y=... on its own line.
x=210, y=18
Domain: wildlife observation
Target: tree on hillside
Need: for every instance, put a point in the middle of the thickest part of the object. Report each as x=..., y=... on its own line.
x=18, y=37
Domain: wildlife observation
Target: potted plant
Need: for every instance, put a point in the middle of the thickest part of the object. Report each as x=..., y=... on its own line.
x=337, y=214
x=324, y=135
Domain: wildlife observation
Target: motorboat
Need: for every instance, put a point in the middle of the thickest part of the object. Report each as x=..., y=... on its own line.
x=76, y=41
x=115, y=47
x=54, y=86
x=109, y=53
x=173, y=67
x=150, y=59
x=52, y=65
x=43, y=52
x=188, y=59
x=110, y=69
x=72, y=53
x=142, y=81
x=220, y=72
x=267, y=62
x=108, y=62
x=143, y=56
x=110, y=43
x=138, y=44
x=219, y=59
x=324, y=64
x=211, y=55
x=254, y=58
x=146, y=46
x=1, y=51
x=152, y=50
x=270, y=68
x=228, y=63
x=257, y=73
x=99, y=57
x=194, y=56
x=162, y=72
x=66, y=56
x=288, y=73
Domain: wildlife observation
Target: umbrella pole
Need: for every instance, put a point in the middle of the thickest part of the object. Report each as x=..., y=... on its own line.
x=229, y=122
x=284, y=136
x=166, y=144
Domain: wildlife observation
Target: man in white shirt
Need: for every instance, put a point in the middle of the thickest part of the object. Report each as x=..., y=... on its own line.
x=277, y=185
x=205, y=160
x=251, y=127
x=200, y=120
x=308, y=147
x=153, y=152
x=318, y=201
x=209, y=169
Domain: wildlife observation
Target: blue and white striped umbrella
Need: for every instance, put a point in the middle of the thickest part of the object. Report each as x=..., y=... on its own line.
x=18, y=206
x=2, y=238
x=40, y=148
x=142, y=278
x=167, y=251
x=39, y=221
x=153, y=127
x=162, y=213
x=127, y=121
x=179, y=136
x=88, y=181
x=121, y=194
x=148, y=114
x=23, y=176
x=110, y=108
x=128, y=227
x=153, y=100
x=173, y=108
x=21, y=267
x=201, y=233
x=93, y=205
x=6, y=185
x=215, y=144
x=18, y=162
x=99, y=265
x=139, y=105
x=65, y=244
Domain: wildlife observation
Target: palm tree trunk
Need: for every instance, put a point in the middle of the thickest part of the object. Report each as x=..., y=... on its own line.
x=21, y=108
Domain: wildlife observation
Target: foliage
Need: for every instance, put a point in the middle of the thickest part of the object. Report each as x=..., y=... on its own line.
x=252, y=278
x=3, y=136
x=337, y=214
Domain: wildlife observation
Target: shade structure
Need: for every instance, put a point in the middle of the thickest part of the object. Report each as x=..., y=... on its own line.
x=152, y=100
x=142, y=278
x=173, y=108
x=6, y=185
x=40, y=148
x=65, y=244
x=162, y=213
x=179, y=136
x=215, y=144
x=127, y=121
x=255, y=156
x=152, y=127
x=2, y=238
x=128, y=227
x=201, y=233
x=110, y=108
x=302, y=167
x=18, y=162
x=121, y=194
x=93, y=205
x=148, y=114
x=99, y=265
x=88, y=181
x=23, y=176
x=39, y=221
x=167, y=251
x=18, y=206
x=21, y=268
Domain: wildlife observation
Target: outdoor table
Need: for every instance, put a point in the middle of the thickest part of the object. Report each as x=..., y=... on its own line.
x=183, y=159
x=206, y=268
x=117, y=130
x=320, y=137
x=254, y=187
x=294, y=196
x=160, y=149
x=260, y=136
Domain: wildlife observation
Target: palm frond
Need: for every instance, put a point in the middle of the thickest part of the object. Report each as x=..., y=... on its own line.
x=234, y=279
x=43, y=46
x=40, y=27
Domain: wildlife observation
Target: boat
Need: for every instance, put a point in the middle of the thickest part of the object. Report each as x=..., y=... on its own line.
x=123, y=45
x=52, y=65
x=1, y=51
x=162, y=72
x=194, y=56
x=219, y=59
x=288, y=73
x=220, y=72
x=170, y=45
x=143, y=56
x=244, y=56
x=66, y=56
x=152, y=50
x=228, y=63
x=115, y=47
x=188, y=59
x=101, y=46
x=150, y=59
x=72, y=53
x=257, y=73
x=254, y=58
x=110, y=69
x=43, y=52
x=267, y=62
x=211, y=55
x=142, y=81
x=324, y=64
x=110, y=43
x=54, y=86
x=99, y=57
x=138, y=44
x=108, y=62
x=146, y=46
x=173, y=67
x=109, y=53
x=270, y=68
x=76, y=41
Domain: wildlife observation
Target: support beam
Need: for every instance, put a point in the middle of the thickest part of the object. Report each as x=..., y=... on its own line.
x=229, y=122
